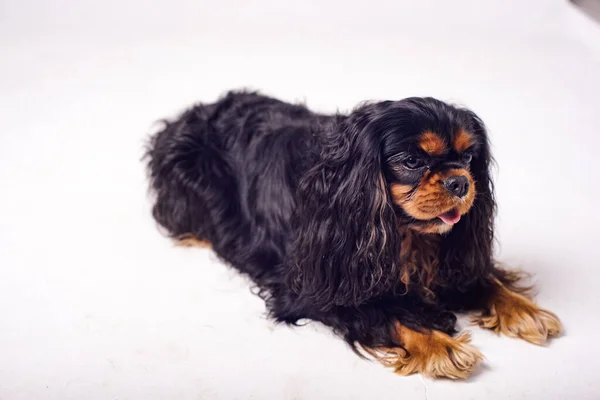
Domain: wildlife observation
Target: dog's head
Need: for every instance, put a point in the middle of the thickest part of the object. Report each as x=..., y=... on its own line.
x=418, y=164
x=430, y=155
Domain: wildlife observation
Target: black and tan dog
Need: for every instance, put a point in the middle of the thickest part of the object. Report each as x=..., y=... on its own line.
x=378, y=223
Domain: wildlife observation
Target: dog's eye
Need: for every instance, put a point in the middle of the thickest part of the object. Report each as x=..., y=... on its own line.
x=413, y=162
x=467, y=157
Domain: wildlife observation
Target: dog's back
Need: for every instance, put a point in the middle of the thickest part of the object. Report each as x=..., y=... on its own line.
x=226, y=172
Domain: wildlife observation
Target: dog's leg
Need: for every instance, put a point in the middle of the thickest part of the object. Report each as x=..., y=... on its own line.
x=409, y=340
x=192, y=241
x=402, y=333
x=514, y=314
x=431, y=353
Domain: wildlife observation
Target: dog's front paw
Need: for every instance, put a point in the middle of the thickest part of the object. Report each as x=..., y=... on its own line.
x=435, y=354
x=514, y=315
x=441, y=356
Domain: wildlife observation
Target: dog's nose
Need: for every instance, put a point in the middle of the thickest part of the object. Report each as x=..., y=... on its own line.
x=457, y=185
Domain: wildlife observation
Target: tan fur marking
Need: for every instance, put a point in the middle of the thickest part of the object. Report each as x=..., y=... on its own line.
x=430, y=198
x=434, y=354
x=515, y=315
x=462, y=141
x=400, y=192
x=192, y=241
x=432, y=144
x=419, y=259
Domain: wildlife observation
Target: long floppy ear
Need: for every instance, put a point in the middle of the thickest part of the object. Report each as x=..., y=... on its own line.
x=466, y=252
x=347, y=246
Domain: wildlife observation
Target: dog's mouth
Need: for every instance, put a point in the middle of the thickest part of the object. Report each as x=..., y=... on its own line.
x=450, y=217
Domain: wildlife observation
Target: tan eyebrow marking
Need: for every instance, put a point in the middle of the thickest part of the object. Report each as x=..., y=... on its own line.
x=432, y=143
x=462, y=141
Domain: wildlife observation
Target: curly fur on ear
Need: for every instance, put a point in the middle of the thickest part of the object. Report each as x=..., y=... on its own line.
x=347, y=245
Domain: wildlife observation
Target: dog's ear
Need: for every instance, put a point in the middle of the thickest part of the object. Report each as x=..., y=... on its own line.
x=466, y=252
x=347, y=246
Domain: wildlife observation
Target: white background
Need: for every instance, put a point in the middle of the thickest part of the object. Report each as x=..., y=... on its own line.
x=96, y=304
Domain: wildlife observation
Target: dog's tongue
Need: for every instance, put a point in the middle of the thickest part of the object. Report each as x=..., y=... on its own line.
x=451, y=217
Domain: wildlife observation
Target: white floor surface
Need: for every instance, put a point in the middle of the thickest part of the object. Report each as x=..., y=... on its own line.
x=96, y=304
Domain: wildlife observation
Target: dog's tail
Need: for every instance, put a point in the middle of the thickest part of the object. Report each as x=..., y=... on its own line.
x=193, y=185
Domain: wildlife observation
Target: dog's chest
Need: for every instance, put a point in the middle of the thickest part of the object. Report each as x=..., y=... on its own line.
x=419, y=256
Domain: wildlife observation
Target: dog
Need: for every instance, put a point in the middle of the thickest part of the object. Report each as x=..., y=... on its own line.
x=377, y=223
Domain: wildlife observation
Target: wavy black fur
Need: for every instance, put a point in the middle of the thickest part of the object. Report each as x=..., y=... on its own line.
x=300, y=202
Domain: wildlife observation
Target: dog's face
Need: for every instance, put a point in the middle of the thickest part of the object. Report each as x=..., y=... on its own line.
x=428, y=170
